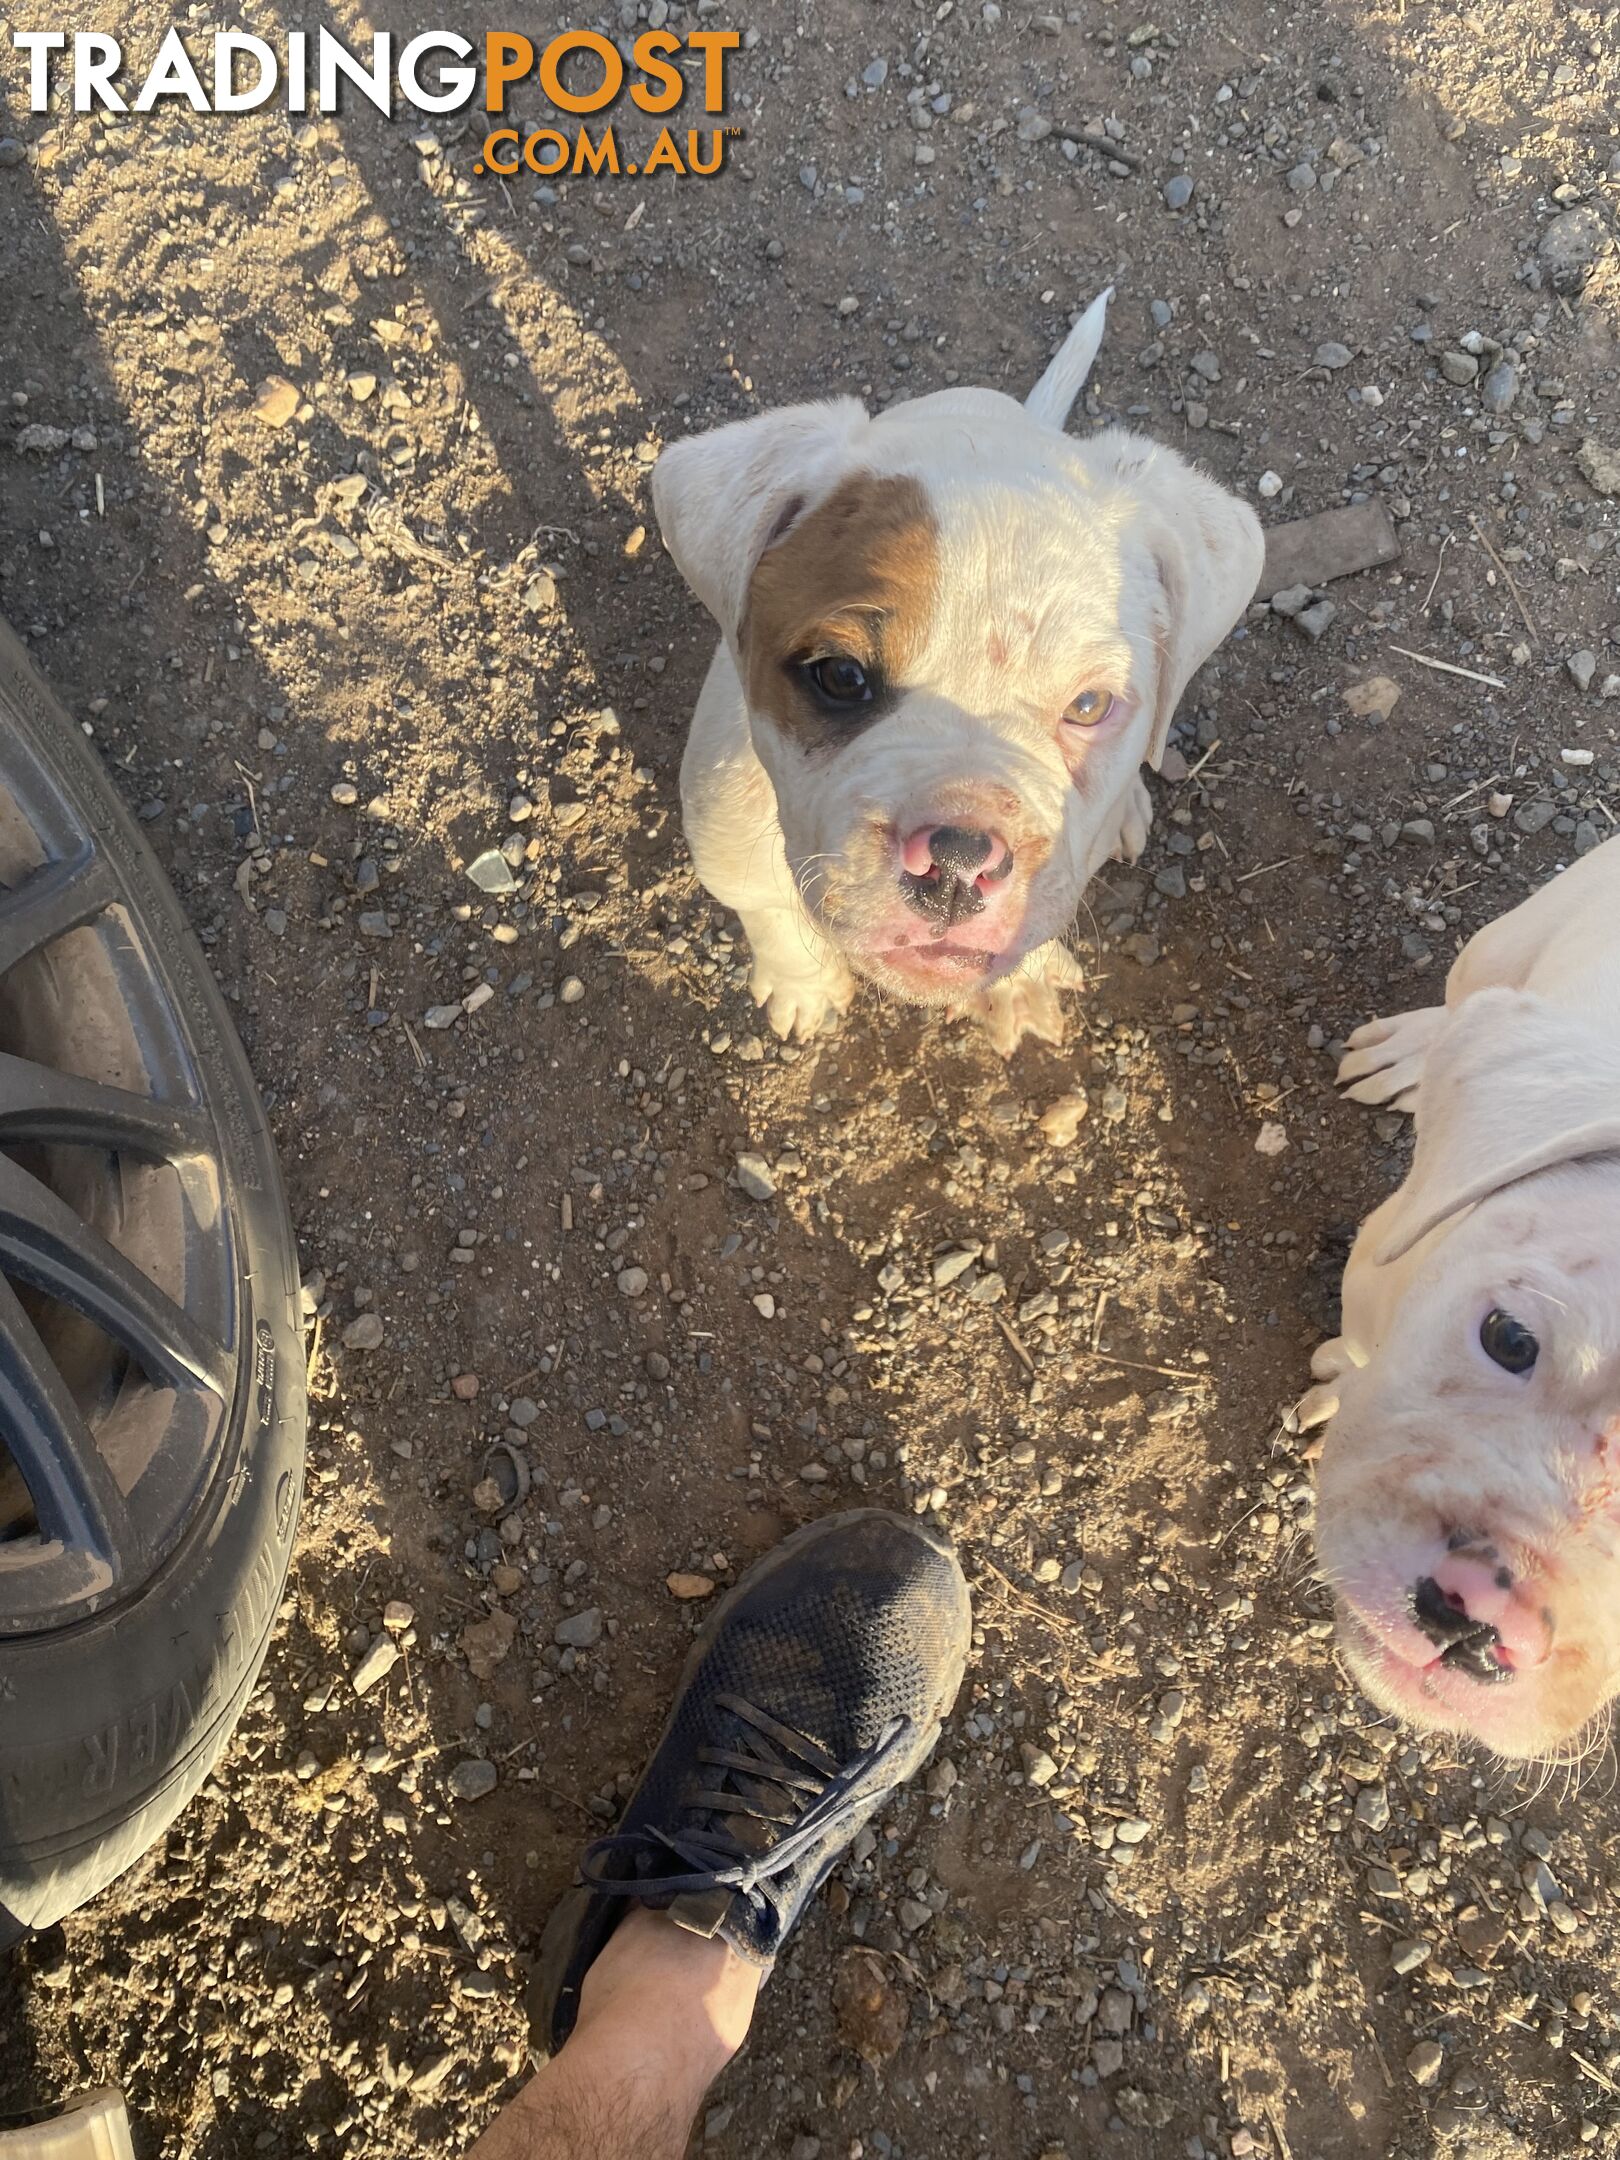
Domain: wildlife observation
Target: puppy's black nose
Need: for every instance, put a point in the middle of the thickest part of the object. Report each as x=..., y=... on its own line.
x=1464, y=1645
x=958, y=848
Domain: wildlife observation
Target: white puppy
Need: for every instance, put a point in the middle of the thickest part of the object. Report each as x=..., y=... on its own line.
x=951, y=638
x=1469, y=1485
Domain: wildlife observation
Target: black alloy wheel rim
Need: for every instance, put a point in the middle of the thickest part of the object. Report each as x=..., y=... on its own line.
x=121, y=1307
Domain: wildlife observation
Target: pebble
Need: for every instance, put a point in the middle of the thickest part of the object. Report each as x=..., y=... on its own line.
x=580, y=1630
x=474, y=1779
x=570, y=990
x=1178, y=191
x=1332, y=355
x=378, y=1662
x=439, y=1017
x=1426, y=2062
x=1459, y=367
x=275, y=402
x=491, y=872
x=364, y=1332
x=754, y=1176
x=345, y=794
x=12, y=152
x=1408, y=1955
x=1600, y=466
x=1582, y=667
x=633, y=1282
x=689, y=1587
x=1269, y=485
x=1501, y=387
x=1059, y=1123
x=1569, y=247
x=1301, y=180
x=1372, y=1807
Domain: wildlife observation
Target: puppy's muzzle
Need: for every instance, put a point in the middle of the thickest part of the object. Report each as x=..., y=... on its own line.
x=1465, y=1645
x=948, y=871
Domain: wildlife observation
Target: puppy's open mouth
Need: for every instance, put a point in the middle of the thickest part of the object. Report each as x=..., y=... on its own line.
x=939, y=962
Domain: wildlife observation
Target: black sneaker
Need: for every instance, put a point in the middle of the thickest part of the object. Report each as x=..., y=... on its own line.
x=817, y=1687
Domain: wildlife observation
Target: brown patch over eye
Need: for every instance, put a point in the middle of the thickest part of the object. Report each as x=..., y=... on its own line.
x=854, y=581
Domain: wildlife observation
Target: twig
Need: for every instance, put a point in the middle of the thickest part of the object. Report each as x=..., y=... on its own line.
x=1194, y=770
x=1518, y=597
x=1278, y=2132
x=1168, y=1372
x=1448, y=667
x=1439, y=565
x=1265, y=869
x=1011, y=1334
x=1098, y=143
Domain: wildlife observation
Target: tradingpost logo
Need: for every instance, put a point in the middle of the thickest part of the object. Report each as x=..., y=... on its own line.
x=583, y=75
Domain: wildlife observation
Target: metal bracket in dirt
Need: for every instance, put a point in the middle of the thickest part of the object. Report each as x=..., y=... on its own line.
x=93, y=2127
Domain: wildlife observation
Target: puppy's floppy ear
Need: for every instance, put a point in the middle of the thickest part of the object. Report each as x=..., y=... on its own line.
x=1209, y=550
x=1511, y=1086
x=723, y=498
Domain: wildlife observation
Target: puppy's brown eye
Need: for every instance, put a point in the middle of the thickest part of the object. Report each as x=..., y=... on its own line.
x=1090, y=709
x=838, y=680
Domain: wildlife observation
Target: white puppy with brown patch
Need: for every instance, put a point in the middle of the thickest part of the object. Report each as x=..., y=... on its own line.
x=1469, y=1484
x=952, y=637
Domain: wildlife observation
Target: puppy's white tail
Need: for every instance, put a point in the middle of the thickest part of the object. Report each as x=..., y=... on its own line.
x=1052, y=397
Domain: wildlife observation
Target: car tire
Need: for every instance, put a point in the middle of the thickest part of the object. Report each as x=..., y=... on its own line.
x=125, y=1664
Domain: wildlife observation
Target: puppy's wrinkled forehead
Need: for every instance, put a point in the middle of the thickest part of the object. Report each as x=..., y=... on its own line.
x=858, y=575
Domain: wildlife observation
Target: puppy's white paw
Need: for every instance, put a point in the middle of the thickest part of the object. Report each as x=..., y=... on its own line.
x=1135, y=819
x=1314, y=1407
x=799, y=1004
x=1008, y=1011
x=1384, y=1061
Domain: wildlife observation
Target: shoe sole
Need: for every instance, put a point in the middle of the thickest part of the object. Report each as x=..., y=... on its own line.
x=556, y=1942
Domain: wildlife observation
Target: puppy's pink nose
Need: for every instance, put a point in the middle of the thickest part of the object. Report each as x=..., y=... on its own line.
x=1479, y=1617
x=965, y=852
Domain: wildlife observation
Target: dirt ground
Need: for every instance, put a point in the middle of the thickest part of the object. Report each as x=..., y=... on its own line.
x=1156, y=1896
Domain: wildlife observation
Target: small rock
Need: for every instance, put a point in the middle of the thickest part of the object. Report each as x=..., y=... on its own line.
x=1060, y=1121
x=1372, y=1807
x=754, y=1176
x=1290, y=600
x=1600, y=466
x=1269, y=484
x=1426, y=2062
x=1312, y=621
x=491, y=872
x=688, y=1588
x=1301, y=180
x=1459, y=367
x=580, y=1630
x=633, y=1282
x=1271, y=1139
x=1569, y=247
x=473, y=1779
x=871, y=2012
x=378, y=1662
x=1501, y=387
x=570, y=990
x=1331, y=354
x=43, y=441
x=1582, y=667
x=913, y=1914
x=1178, y=191
x=364, y=1332
x=439, y=1017
x=12, y=152
x=275, y=401
x=1408, y=1955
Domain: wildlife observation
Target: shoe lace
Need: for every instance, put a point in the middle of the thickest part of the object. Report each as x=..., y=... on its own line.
x=776, y=1776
